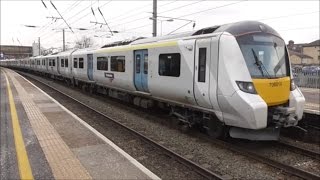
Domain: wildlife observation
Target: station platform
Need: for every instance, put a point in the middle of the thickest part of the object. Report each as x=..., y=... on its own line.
x=41, y=139
x=312, y=97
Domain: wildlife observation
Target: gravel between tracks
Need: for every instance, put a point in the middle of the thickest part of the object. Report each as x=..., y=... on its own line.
x=214, y=158
x=283, y=155
x=309, y=146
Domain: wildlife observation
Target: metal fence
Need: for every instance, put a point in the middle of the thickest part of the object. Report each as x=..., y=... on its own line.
x=309, y=80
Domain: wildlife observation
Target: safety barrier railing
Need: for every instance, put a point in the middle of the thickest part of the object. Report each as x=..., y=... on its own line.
x=308, y=80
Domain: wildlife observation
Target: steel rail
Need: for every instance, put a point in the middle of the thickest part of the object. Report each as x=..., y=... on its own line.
x=200, y=170
x=300, y=150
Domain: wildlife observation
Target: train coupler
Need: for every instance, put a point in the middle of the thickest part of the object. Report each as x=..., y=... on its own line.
x=285, y=116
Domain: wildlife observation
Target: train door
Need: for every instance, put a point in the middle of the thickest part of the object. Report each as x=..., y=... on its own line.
x=202, y=72
x=90, y=66
x=141, y=70
x=47, y=63
x=58, y=65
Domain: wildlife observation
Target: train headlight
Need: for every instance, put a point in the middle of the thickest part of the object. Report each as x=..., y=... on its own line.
x=292, y=85
x=247, y=87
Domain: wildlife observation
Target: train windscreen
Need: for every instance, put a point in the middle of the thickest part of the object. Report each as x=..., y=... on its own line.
x=265, y=55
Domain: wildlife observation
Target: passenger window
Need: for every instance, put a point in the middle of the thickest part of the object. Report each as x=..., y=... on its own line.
x=62, y=62
x=75, y=62
x=169, y=64
x=202, y=65
x=50, y=62
x=66, y=63
x=53, y=62
x=81, y=63
x=102, y=63
x=138, y=59
x=145, y=64
x=118, y=63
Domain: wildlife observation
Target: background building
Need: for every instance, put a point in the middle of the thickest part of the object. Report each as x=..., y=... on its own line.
x=305, y=53
x=297, y=58
x=313, y=49
x=8, y=52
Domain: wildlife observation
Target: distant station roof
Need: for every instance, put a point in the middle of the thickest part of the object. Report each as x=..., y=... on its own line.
x=10, y=51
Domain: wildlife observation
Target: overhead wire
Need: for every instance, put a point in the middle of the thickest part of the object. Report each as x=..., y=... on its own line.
x=124, y=14
x=217, y=7
x=79, y=12
x=50, y=32
x=310, y=27
x=182, y=6
x=61, y=16
x=290, y=15
x=198, y=12
x=75, y=4
x=136, y=12
x=90, y=12
x=138, y=19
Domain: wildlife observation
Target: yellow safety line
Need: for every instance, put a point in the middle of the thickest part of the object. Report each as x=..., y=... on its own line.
x=22, y=156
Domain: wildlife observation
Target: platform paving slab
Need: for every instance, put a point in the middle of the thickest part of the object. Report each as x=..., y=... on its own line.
x=72, y=149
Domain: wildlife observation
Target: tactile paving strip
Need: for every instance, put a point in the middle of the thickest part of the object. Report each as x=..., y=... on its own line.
x=62, y=161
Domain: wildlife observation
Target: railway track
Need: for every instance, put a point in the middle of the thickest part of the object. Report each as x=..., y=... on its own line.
x=200, y=170
x=298, y=149
x=261, y=158
x=203, y=171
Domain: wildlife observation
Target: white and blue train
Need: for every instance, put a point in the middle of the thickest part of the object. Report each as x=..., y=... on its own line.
x=233, y=78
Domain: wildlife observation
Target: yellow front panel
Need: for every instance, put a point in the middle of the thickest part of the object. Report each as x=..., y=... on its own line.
x=273, y=91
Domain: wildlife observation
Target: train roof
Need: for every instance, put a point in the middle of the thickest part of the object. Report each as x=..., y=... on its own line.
x=236, y=28
x=244, y=27
x=84, y=51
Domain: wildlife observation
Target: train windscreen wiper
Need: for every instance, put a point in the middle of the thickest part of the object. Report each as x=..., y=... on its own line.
x=259, y=64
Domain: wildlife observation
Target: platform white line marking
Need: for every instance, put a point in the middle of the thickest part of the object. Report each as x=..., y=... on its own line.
x=109, y=142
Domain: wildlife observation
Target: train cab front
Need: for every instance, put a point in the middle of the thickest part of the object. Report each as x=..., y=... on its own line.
x=271, y=95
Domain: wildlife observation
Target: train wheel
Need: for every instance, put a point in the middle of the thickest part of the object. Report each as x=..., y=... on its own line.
x=216, y=129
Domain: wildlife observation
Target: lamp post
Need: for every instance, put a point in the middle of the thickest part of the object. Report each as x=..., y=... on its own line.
x=168, y=20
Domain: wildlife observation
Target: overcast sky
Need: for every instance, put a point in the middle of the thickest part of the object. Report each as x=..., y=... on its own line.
x=294, y=20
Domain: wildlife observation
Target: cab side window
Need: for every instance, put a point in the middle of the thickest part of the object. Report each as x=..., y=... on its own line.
x=202, y=65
